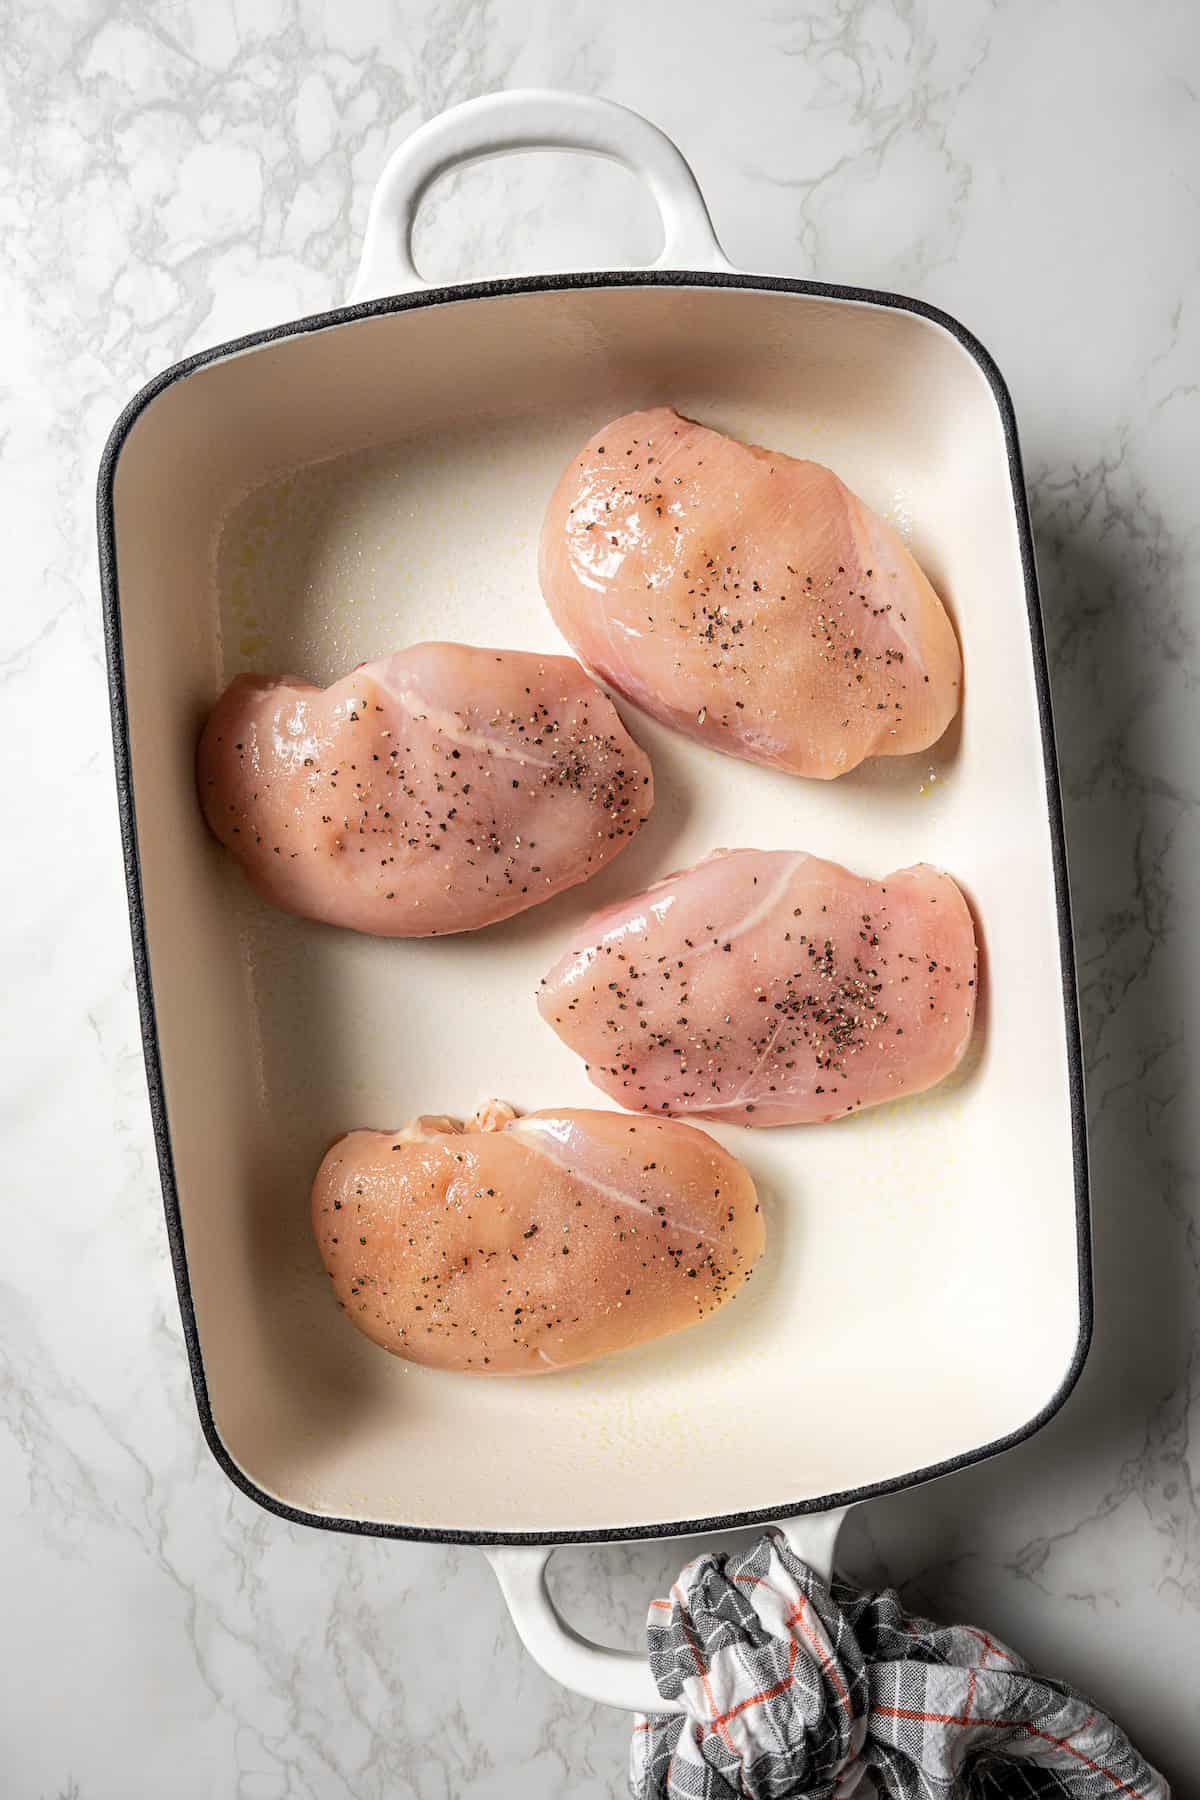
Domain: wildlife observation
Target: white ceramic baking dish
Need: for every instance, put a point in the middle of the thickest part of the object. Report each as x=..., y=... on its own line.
x=318, y=494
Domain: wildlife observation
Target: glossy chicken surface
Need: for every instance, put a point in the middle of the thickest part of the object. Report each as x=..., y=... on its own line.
x=515, y=1246
x=747, y=598
x=436, y=790
x=770, y=988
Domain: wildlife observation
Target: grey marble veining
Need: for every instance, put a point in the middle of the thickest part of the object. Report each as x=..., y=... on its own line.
x=178, y=173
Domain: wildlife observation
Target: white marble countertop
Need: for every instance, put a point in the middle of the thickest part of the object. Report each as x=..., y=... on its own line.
x=178, y=173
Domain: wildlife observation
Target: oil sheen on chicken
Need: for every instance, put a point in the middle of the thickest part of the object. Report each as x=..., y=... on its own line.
x=747, y=598
x=770, y=988
x=515, y=1246
x=436, y=790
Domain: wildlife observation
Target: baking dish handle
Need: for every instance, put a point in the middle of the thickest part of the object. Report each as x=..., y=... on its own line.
x=616, y=1677
x=529, y=119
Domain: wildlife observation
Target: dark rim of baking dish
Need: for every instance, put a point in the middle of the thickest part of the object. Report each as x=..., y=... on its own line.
x=141, y=958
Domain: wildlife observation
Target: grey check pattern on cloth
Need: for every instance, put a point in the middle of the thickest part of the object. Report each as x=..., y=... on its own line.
x=797, y=1687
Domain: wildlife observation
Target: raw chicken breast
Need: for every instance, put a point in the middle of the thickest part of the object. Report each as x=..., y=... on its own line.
x=437, y=790
x=766, y=988
x=518, y=1245
x=748, y=599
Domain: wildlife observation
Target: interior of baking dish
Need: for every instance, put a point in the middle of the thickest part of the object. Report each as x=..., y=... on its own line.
x=330, y=493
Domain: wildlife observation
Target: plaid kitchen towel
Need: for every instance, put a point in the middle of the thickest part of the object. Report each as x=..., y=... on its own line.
x=794, y=1687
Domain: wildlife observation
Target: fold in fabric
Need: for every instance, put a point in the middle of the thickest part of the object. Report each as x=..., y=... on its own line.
x=795, y=1687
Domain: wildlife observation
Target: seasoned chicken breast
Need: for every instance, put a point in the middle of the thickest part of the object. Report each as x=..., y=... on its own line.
x=513, y=1246
x=747, y=598
x=766, y=988
x=437, y=790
